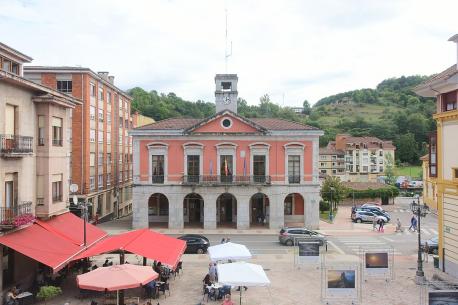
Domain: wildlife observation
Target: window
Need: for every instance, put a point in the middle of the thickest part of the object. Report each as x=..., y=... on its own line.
x=380, y=153
x=449, y=101
x=226, y=123
x=109, y=158
x=100, y=134
x=101, y=94
x=334, y=171
x=108, y=97
x=92, y=183
x=92, y=159
x=433, y=155
x=226, y=86
x=56, y=131
x=259, y=168
x=120, y=139
x=6, y=65
x=157, y=168
x=92, y=112
x=193, y=168
x=323, y=171
x=92, y=90
x=108, y=179
x=108, y=137
x=100, y=181
x=100, y=159
x=109, y=117
x=226, y=168
x=41, y=130
x=57, y=188
x=100, y=115
x=121, y=120
x=455, y=173
x=64, y=86
x=15, y=68
x=92, y=135
x=120, y=103
x=294, y=166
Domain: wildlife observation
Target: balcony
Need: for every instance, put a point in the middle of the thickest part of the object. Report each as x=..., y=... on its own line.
x=18, y=215
x=56, y=142
x=226, y=180
x=294, y=179
x=15, y=146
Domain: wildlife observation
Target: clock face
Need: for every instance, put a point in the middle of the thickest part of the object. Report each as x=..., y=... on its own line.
x=226, y=100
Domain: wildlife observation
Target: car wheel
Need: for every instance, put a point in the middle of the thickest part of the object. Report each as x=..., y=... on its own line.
x=289, y=243
x=200, y=251
x=358, y=220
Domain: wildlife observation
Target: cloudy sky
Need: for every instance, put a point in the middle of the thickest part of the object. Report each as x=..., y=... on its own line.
x=291, y=50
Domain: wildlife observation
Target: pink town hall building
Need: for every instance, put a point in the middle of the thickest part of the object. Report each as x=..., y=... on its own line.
x=225, y=170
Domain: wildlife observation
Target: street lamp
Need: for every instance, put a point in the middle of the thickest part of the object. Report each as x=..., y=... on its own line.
x=82, y=206
x=330, y=210
x=419, y=210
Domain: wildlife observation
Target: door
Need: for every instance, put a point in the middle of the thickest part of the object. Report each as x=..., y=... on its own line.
x=226, y=168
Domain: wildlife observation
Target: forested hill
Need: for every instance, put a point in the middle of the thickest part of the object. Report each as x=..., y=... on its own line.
x=391, y=111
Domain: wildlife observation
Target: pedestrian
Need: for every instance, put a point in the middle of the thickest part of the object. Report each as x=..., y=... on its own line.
x=223, y=240
x=426, y=251
x=212, y=272
x=398, y=226
x=413, y=223
x=374, y=223
x=382, y=224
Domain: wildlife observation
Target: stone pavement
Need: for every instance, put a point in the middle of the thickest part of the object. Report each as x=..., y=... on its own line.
x=290, y=285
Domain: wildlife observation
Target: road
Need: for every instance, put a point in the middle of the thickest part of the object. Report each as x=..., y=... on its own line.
x=403, y=243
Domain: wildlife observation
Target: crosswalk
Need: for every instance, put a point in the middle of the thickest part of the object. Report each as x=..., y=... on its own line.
x=355, y=245
x=424, y=231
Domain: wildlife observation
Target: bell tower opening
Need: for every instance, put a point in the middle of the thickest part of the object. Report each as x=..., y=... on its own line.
x=226, y=92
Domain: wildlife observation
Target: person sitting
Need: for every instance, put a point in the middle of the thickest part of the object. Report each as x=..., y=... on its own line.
x=106, y=263
x=11, y=297
x=151, y=289
x=227, y=300
x=207, y=280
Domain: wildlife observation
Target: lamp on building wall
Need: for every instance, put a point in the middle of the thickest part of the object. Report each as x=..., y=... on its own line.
x=419, y=210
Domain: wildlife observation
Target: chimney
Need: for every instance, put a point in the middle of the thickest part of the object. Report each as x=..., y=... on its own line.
x=103, y=75
x=111, y=79
x=454, y=38
x=340, y=141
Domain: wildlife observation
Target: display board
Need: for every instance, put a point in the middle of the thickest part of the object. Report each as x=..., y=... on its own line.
x=341, y=283
x=377, y=263
x=439, y=293
x=307, y=252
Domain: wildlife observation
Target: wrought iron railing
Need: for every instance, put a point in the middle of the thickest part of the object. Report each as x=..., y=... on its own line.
x=57, y=142
x=225, y=180
x=294, y=179
x=14, y=144
x=8, y=215
x=157, y=179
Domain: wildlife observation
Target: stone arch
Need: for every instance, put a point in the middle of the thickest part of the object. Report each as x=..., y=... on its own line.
x=226, y=210
x=158, y=210
x=193, y=210
x=259, y=210
x=294, y=209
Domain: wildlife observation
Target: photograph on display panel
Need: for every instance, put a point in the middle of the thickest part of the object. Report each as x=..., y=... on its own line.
x=378, y=260
x=443, y=297
x=309, y=249
x=341, y=279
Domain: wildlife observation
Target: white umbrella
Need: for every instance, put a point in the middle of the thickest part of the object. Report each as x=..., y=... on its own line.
x=228, y=251
x=242, y=274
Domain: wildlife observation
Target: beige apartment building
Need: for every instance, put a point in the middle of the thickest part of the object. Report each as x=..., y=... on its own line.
x=442, y=161
x=34, y=156
x=363, y=158
x=101, y=155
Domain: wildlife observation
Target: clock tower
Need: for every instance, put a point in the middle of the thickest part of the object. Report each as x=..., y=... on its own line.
x=226, y=92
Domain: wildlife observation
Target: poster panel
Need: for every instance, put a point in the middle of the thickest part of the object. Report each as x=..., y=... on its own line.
x=341, y=283
x=309, y=252
x=441, y=297
x=376, y=263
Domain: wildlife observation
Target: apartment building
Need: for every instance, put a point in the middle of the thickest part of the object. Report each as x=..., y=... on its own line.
x=332, y=163
x=141, y=120
x=364, y=157
x=101, y=155
x=226, y=170
x=442, y=161
x=34, y=159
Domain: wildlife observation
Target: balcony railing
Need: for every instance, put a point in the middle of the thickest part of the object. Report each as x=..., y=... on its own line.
x=226, y=180
x=157, y=179
x=294, y=179
x=57, y=142
x=17, y=215
x=15, y=145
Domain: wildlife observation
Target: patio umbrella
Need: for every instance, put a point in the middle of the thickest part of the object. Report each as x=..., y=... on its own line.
x=242, y=274
x=228, y=251
x=115, y=278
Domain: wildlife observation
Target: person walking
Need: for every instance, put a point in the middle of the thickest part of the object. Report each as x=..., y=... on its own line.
x=223, y=240
x=413, y=223
x=398, y=226
x=382, y=225
x=426, y=252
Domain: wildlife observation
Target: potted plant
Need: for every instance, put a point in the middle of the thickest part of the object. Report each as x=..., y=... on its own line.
x=48, y=292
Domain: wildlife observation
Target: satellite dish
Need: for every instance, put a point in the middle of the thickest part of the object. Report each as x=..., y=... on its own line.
x=73, y=188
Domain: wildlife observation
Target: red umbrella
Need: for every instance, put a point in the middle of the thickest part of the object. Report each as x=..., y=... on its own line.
x=116, y=277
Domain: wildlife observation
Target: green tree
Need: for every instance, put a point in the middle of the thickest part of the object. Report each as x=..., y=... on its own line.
x=407, y=149
x=333, y=190
x=307, y=109
x=389, y=170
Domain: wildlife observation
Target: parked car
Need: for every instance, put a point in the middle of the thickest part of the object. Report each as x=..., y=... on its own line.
x=433, y=245
x=195, y=243
x=366, y=216
x=376, y=212
x=373, y=205
x=287, y=236
x=416, y=184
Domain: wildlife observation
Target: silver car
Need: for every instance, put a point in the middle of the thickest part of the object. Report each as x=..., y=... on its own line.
x=288, y=235
x=366, y=216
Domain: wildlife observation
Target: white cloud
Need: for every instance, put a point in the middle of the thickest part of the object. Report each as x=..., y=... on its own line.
x=292, y=50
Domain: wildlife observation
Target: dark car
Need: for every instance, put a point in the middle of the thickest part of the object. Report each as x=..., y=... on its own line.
x=433, y=245
x=195, y=243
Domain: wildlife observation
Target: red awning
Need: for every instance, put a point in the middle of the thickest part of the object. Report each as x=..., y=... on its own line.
x=144, y=242
x=53, y=242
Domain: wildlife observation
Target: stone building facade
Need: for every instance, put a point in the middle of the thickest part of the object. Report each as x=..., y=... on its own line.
x=225, y=170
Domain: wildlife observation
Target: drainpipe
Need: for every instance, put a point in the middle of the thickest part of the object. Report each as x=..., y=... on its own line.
x=82, y=133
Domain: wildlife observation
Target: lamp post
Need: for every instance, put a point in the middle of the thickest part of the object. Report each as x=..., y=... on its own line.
x=419, y=210
x=330, y=204
x=82, y=206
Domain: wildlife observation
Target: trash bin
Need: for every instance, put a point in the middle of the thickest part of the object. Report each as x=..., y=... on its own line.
x=436, y=261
